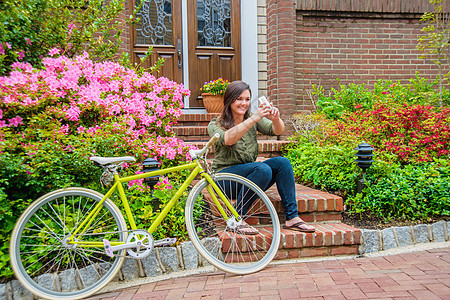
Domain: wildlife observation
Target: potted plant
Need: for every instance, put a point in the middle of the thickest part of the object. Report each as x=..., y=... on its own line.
x=212, y=94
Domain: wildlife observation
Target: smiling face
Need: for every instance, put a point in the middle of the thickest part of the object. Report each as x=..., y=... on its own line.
x=241, y=105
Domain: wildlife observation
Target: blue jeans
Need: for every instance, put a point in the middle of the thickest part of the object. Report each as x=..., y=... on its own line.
x=264, y=174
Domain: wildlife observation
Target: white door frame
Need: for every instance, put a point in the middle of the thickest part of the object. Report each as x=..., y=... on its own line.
x=249, y=49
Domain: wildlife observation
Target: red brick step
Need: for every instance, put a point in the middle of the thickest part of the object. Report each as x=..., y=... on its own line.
x=313, y=205
x=321, y=209
x=327, y=240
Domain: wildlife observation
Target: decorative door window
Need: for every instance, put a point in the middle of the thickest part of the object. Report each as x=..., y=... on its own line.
x=214, y=23
x=155, y=22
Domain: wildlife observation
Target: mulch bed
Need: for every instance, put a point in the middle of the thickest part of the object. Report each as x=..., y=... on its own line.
x=371, y=222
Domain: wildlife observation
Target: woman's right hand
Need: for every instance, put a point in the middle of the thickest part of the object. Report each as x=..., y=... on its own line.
x=263, y=111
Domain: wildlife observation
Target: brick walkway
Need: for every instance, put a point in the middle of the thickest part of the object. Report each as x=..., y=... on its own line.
x=413, y=275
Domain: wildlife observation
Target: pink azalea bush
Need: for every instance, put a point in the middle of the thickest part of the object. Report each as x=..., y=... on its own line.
x=86, y=99
x=53, y=119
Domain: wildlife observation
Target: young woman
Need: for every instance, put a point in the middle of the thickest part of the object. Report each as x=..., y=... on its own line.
x=237, y=149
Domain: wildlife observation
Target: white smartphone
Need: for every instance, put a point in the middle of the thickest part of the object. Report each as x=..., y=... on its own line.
x=263, y=100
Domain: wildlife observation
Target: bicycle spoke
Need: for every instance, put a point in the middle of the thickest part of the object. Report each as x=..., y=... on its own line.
x=41, y=245
x=234, y=251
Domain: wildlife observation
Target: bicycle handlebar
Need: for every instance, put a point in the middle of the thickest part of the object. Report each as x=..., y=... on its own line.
x=211, y=142
x=198, y=153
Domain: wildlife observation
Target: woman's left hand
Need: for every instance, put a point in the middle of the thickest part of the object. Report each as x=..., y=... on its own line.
x=274, y=114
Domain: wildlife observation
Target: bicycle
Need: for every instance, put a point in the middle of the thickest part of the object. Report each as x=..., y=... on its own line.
x=70, y=243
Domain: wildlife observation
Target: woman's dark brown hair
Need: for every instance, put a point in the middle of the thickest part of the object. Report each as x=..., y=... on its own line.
x=232, y=92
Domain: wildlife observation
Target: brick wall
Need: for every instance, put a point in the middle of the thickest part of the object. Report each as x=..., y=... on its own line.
x=126, y=47
x=280, y=53
x=359, y=42
x=262, y=48
x=358, y=49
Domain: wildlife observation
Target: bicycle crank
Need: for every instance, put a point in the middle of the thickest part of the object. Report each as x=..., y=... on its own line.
x=139, y=244
x=165, y=242
x=138, y=247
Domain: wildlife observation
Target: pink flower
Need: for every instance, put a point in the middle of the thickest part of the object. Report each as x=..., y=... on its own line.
x=54, y=51
x=8, y=45
x=15, y=121
x=21, y=54
x=104, y=97
x=164, y=184
x=73, y=113
x=2, y=51
x=28, y=41
x=70, y=28
x=80, y=129
x=64, y=129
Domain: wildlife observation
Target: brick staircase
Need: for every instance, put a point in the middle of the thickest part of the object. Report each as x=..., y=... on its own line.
x=323, y=210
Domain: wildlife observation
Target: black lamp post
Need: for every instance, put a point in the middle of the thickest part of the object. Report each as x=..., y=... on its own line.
x=151, y=164
x=364, y=161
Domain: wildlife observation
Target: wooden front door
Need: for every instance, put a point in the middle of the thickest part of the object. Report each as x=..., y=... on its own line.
x=213, y=41
x=159, y=27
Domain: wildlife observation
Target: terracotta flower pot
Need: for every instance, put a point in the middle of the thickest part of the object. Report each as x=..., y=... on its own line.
x=213, y=103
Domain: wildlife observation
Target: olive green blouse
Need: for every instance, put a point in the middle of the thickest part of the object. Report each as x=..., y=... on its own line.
x=244, y=151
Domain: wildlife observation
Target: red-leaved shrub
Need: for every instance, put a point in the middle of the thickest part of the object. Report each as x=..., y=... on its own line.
x=413, y=133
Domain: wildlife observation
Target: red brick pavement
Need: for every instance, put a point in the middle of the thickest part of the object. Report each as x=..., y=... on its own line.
x=413, y=275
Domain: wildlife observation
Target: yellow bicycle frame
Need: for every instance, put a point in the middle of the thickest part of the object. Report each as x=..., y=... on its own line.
x=118, y=184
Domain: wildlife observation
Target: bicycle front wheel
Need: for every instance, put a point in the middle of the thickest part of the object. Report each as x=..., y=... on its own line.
x=51, y=267
x=214, y=229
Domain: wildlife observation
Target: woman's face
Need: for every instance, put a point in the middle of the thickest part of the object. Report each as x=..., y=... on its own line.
x=241, y=104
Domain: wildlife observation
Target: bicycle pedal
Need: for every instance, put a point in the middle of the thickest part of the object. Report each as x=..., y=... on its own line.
x=165, y=242
x=108, y=248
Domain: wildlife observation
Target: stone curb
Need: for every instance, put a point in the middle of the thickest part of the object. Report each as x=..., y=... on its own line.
x=373, y=240
x=168, y=262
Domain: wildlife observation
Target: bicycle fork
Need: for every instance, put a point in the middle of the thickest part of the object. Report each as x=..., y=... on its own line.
x=222, y=196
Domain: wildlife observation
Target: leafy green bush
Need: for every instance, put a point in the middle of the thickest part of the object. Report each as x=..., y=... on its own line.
x=148, y=204
x=346, y=99
x=30, y=29
x=411, y=192
x=356, y=97
x=411, y=137
x=330, y=167
x=52, y=120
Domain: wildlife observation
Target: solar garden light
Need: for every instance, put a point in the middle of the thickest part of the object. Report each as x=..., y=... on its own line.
x=364, y=161
x=151, y=164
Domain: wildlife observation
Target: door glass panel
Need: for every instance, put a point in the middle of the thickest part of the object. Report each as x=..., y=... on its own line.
x=155, y=22
x=214, y=23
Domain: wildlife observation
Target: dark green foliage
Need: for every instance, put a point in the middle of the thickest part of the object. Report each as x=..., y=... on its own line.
x=409, y=179
x=330, y=167
x=33, y=27
x=355, y=97
x=411, y=192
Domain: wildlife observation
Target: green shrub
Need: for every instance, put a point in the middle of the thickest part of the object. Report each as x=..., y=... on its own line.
x=329, y=167
x=356, y=97
x=53, y=119
x=411, y=136
x=411, y=192
x=30, y=29
x=346, y=99
x=148, y=203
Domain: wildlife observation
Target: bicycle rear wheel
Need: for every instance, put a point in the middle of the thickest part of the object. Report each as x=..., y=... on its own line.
x=50, y=267
x=218, y=240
